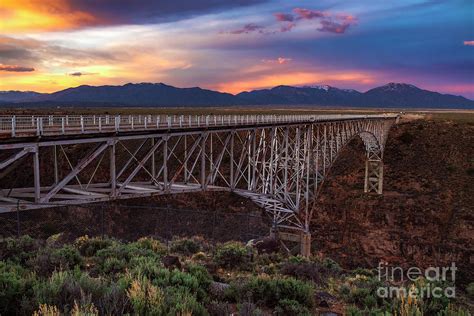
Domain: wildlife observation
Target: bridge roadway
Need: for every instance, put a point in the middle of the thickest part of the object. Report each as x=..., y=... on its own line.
x=278, y=161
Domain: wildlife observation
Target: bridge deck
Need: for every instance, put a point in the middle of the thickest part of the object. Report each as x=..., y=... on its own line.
x=19, y=126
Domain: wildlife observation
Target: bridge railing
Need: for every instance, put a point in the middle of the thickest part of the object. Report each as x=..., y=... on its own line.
x=37, y=125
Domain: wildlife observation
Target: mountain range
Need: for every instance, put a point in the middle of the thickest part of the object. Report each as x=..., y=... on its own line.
x=392, y=95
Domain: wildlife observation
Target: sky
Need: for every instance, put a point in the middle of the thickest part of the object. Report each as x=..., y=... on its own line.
x=237, y=45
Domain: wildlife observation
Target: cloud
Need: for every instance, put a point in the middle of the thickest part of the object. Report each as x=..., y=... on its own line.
x=79, y=74
x=333, y=27
x=284, y=17
x=279, y=60
x=288, y=27
x=330, y=22
x=309, y=14
x=26, y=15
x=248, y=28
x=469, y=43
x=15, y=68
x=338, y=25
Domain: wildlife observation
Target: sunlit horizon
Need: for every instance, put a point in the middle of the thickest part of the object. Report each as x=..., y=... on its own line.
x=240, y=46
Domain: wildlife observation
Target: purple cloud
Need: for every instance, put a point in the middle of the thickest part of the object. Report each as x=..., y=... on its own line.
x=78, y=74
x=284, y=17
x=248, y=28
x=338, y=25
x=288, y=27
x=309, y=14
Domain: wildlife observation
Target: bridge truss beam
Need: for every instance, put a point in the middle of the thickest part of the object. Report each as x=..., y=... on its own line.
x=280, y=167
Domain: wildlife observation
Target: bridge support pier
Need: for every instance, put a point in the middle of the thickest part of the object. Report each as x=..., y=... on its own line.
x=305, y=244
x=373, y=176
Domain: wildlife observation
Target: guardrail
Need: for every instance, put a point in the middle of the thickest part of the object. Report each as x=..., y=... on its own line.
x=33, y=125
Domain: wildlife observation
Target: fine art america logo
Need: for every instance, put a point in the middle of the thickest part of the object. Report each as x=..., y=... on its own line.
x=440, y=281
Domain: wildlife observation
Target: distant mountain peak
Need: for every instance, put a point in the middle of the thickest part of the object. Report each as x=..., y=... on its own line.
x=324, y=87
x=398, y=86
x=391, y=95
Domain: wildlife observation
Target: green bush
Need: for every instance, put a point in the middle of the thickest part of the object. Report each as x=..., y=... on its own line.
x=185, y=246
x=288, y=307
x=204, y=280
x=127, y=253
x=231, y=255
x=151, y=244
x=64, y=288
x=66, y=257
x=49, y=259
x=470, y=289
x=88, y=247
x=302, y=270
x=145, y=298
x=113, y=266
x=331, y=266
x=249, y=309
x=18, y=250
x=270, y=291
x=179, y=301
x=15, y=285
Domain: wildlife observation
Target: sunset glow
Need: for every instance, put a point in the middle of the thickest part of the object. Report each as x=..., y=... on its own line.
x=47, y=46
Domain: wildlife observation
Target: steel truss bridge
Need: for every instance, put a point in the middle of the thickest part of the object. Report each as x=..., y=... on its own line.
x=278, y=161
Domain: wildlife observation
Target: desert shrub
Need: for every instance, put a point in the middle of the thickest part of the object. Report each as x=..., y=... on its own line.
x=203, y=277
x=331, y=266
x=291, y=308
x=298, y=259
x=361, y=290
x=47, y=310
x=66, y=257
x=362, y=271
x=87, y=309
x=63, y=288
x=450, y=310
x=353, y=311
x=186, y=246
x=145, y=298
x=231, y=255
x=408, y=307
x=15, y=285
x=113, y=265
x=49, y=259
x=470, y=289
x=88, y=246
x=114, y=300
x=315, y=270
x=432, y=305
x=148, y=267
x=270, y=291
x=216, y=308
x=249, y=309
x=55, y=240
x=122, y=252
x=180, y=301
x=151, y=244
x=302, y=270
x=199, y=256
x=18, y=250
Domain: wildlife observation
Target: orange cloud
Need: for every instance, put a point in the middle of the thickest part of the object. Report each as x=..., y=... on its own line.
x=15, y=68
x=469, y=43
x=293, y=78
x=18, y=16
